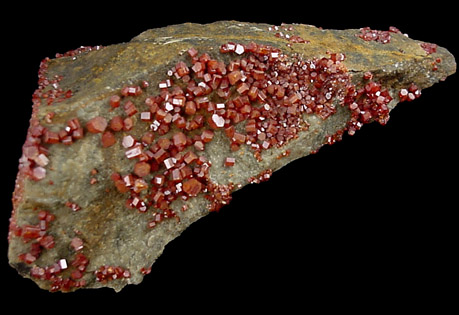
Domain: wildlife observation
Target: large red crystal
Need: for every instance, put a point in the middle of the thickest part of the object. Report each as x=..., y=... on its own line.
x=179, y=139
x=97, y=125
x=108, y=139
x=142, y=169
x=192, y=187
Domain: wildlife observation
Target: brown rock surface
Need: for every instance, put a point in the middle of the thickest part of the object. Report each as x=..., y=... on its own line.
x=68, y=203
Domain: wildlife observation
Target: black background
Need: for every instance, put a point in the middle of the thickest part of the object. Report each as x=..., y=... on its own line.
x=365, y=223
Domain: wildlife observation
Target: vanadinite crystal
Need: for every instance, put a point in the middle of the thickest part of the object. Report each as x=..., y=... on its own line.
x=118, y=162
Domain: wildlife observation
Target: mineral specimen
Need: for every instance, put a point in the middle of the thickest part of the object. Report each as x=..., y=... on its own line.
x=131, y=143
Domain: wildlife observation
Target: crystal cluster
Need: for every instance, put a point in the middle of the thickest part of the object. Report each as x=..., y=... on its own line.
x=261, y=89
x=248, y=97
x=383, y=37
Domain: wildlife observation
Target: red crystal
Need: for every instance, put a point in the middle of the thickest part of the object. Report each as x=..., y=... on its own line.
x=164, y=143
x=121, y=186
x=77, y=244
x=115, y=101
x=263, y=90
x=190, y=108
x=199, y=145
x=62, y=264
x=73, y=206
x=368, y=75
x=169, y=162
x=243, y=88
x=145, y=84
x=159, y=180
x=38, y=173
x=47, y=242
x=251, y=126
x=28, y=258
x=179, y=139
x=146, y=116
x=76, y=274
x=97, y=125
x=393, y=29
x=182, y=69
x=51, y=137
x=108, y=273
x=409, y=94
x=117, y=123
x=239, y=138
x=179, y=121
x=142, y=169
x=128, y=124
x=80, y=262
x=234, y=77
x=131, y=91
x=218, y=121
x=239, y=49
x=108, y=139
x=147, y=138
x=160, y=155
x=74, y=124
x=134, y=152
x=207, y=136
x=30, y=232
x=129, y=180
x=140, y=185
x=128, y=141
x=190, y=157
x=41, y=160
x=42, y=215
x=230, y=161
x=192, y=52
x=176, y=175
x=130, y=108
x=192, y=187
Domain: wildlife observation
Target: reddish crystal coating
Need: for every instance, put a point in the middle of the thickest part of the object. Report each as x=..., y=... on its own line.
x=256, y=100
x=168, y=109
